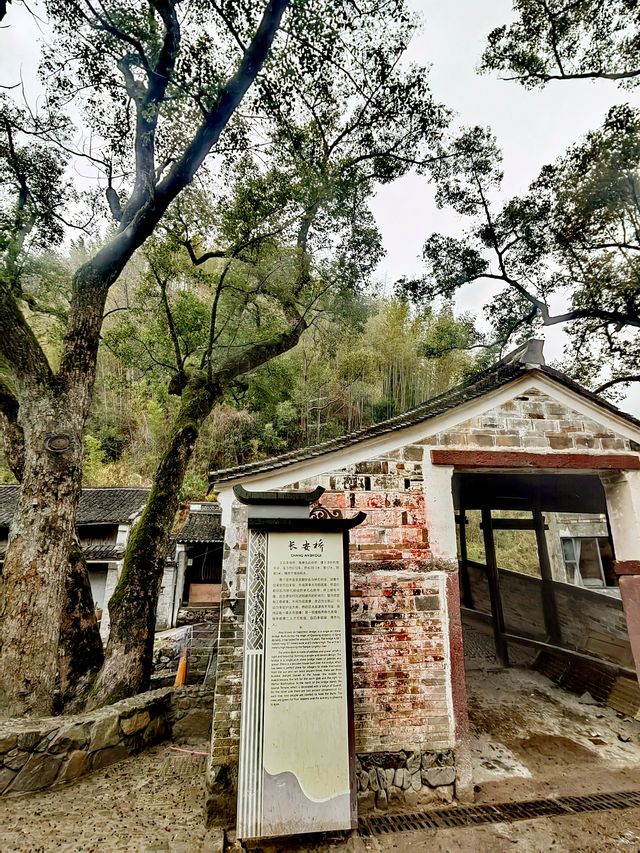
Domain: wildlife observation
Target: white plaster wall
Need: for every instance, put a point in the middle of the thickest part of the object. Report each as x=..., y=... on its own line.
x=439, y=510
x=181, y=567
x=622, y=492
x=164, y=613
x=113, y=574
x=98, y=580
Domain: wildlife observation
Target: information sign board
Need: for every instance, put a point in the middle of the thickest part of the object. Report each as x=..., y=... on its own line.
x=296, y=770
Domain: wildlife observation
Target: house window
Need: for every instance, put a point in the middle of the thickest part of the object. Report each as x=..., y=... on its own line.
x=583, y=560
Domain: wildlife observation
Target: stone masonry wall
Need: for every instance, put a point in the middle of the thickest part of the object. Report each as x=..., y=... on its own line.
x=39, y=753
x=225, y=730
x=190, y=712
x=533, y=421
x=404, y=779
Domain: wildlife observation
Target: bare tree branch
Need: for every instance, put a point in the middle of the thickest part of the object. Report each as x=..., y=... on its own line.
x=633, y=377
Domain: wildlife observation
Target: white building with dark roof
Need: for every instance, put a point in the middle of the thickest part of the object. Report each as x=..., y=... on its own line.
x=191, y=580
x=104, y=520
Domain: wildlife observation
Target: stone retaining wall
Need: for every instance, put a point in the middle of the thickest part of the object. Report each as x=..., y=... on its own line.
x=191, y=712
x=39, y=753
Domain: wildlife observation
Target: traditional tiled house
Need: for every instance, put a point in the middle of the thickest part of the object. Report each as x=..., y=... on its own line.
x=104, y=520
x=520, y=436
x=191, y=582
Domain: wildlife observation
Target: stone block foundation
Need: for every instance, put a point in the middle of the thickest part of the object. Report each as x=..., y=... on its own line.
x=389, y=780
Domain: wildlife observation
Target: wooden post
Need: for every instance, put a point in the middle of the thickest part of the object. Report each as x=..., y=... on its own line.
x=467, y=595
x=502, y=651
x=550, y=609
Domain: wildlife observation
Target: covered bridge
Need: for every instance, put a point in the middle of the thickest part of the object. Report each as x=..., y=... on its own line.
x=515, y=444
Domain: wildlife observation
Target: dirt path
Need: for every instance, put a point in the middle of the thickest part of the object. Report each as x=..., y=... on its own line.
x=533, y=739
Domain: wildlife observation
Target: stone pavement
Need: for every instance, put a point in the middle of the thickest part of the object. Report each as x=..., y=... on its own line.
x=150, y=802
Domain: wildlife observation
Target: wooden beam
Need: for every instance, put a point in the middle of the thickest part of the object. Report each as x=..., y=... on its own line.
x=626, y=567
x=479, y=617
x=465, y=584
x=549, y=606
x=574, y=653
x=522, y=459
x=502, y=652
x=513, y=523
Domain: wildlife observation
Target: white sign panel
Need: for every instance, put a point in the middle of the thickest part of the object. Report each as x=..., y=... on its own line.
x=301, y=779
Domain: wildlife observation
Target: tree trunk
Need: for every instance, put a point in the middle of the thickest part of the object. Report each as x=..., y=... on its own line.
x=40, y=542
x=80, y=653
x=132, y=609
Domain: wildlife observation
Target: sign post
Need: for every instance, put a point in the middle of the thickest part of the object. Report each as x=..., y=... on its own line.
x=296, y=770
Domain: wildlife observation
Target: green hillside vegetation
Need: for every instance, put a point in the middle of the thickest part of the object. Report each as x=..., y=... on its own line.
x=375, y=360
x=347, y=373
x=516, y=550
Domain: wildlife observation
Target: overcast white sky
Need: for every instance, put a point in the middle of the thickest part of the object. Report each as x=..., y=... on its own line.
x=532, y=127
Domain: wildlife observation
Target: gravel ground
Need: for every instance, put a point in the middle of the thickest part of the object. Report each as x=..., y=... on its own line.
x=151, y=802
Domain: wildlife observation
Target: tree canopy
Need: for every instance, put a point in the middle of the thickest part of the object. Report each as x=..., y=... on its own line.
x=566, y=252
x=567, y=40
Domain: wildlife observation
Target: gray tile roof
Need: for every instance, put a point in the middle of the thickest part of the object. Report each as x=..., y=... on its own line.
x=527, y=359
x=97, y=506
x=202, y=526
x=103, y=552
x=97, y=553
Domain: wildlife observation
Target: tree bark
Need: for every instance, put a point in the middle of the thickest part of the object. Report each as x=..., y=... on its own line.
x=132, y=609
x=12, y=435
x=40, y=539
x=80, y=652
x=51, y=415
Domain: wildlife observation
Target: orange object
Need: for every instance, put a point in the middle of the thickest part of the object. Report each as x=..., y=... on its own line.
x=181, y=674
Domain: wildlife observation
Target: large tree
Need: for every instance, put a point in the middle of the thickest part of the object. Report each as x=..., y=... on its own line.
x=32, y=224
x=293, y=234
x=568, y=40
x=565, y=253
x=156, y=85
x=575, y=231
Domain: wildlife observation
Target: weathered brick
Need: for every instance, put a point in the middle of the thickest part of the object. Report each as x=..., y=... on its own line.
x=560, y=442
x=508, y=441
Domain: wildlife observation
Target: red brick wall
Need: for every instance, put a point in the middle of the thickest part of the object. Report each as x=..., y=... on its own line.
x=400, y=669
x=398, y=603
x=394, y=528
